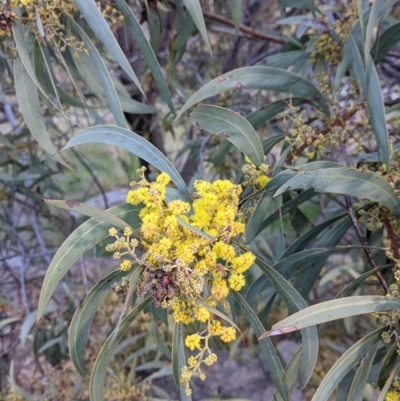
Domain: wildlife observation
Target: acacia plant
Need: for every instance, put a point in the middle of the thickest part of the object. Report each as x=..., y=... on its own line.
x=297, y=160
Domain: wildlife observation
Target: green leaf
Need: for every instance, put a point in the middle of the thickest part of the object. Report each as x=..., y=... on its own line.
x=21, y=44
x=99, y=371
x=295, y=302
x=147, y=51
x=84, y=238
x=28, y=99
x=266, y=112
x=385, y=42
x=347, y=362
x=348, y=182
x=355, y=283
x=387, y=364
x=96, y=21
x=236, y=10
x=301, y=242
x=104, y=77
x=178, y=359
x=7, y=321
x=133, y=143
x=195, y=11
x=87, y=210
x=333, y=310
x=162, y=346
x=267, y=349
x=195, y=230
x=236, y=128
x=291, y=372
x=360, y=379
x=388, y=384
x=376, y=109
x=286, y=59
x=257, y=77
x=82, y=319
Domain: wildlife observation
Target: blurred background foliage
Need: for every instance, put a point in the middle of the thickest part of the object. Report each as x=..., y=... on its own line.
x=135, y=64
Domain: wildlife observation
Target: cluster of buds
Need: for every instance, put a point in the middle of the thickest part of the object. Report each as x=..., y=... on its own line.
x=255, y=177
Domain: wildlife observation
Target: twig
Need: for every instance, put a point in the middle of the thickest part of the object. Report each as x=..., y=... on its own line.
x=363, y=242
x=39, y=237
x=242, y=28
x=95, y=180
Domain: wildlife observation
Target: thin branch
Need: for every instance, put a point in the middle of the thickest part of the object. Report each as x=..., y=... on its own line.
x=363, y=242
x=243, y=28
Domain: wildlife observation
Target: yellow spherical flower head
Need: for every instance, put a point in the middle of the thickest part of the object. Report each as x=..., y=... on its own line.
x=193, y=341
x=228, y=334
x=236, y=281
x=125, y=265
x=203, y=315
x=243, y=262
x=263, y=180
x=392, y=396
x=219, y=289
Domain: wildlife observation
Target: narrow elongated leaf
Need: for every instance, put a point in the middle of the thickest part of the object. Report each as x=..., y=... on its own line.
x=218, y=313
x=333, y=310
x=7, y=321
x=295, y=303
x=104, y=77
x=87, y=210
x=133, y=143
x=257, y=77
x=233, y=126
x=286, y=59
x=84, y=238
x=376, y=110
x=195, y=11
x=348, y=182
x=99, y=371
x=236, y=9
x=80, y=324
x=96, y=21
x=385, y=42
x=195, y=230
x=147, y=51
x=268, y=351
x=291, y=372
x=18, y=35
x=30, y=320
x=266, y=112
x=301, y=242
x=178, y=359
x=28, y=99
x=355, y=283
x=348, y=360
x=360, y=379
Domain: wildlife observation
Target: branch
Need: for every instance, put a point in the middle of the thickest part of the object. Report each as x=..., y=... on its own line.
x=363, y=242
x=243, y=28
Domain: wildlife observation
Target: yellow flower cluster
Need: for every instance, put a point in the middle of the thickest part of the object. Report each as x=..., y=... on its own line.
x=186, y=245
x=256, y=178
x=392, y=396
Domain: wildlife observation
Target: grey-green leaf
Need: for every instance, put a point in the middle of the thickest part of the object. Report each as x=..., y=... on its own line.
x=268, y=351
x=295, y=303
x=87, y=210
x=99, y=371
x=80, y=324
x=133, y=143
x=348, y=360
x=236, y=128
x=28, y=99
x=348, y=182
x=258, y=77
x=376, y=110
x=147, y=51
x=195, y=11
x=96, y=21
x=360, y=379
x=333, y=310
x=104, y=78
x=84, y=238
